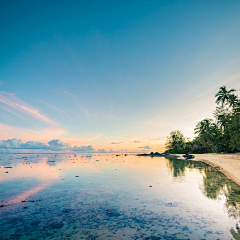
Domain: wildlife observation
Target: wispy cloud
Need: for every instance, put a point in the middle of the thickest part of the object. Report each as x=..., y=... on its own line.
x=117, y=142
x=45, y=134
x=11, y=101
x=98, y=135
x=55, y=108
x=87, y=139
x=76, y=101
x=187, y=116
x=214, y=88
x=145, y=147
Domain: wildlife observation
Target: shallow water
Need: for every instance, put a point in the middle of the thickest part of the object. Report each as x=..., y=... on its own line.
x=104, y=196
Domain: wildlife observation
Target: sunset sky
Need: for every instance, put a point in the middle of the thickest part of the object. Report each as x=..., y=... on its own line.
x=112, y=75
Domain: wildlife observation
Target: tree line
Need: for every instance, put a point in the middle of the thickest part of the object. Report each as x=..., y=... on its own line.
x=213, y=135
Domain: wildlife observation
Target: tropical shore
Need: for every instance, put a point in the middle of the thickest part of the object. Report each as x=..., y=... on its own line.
x=229, y=164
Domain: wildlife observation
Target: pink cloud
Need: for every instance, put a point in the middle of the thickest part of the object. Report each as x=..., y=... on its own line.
x=42, y=135
x=20, y=106
x=84, y=140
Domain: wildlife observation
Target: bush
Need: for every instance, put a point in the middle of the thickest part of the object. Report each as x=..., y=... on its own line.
x=176, y=151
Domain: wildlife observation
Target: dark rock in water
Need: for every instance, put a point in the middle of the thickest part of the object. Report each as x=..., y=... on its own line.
x=56, y=225
x=188, y=156
x=68, y=210
x=36, y=223
x=76, y=176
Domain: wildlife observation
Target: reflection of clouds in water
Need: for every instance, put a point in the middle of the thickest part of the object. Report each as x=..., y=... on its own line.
x=41, y=170
x=112, y=191
x=23, y=196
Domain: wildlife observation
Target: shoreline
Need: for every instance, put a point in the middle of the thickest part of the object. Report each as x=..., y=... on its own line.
x=228, y=164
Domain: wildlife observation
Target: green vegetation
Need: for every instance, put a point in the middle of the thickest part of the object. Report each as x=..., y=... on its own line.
x=220, y=134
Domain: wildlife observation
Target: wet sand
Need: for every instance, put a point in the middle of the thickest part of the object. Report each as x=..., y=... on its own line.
x=229, y=164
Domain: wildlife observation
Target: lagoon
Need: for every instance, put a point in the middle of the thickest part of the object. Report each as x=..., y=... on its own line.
x=115, y=196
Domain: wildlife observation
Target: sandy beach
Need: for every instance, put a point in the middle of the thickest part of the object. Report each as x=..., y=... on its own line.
x=229, y=164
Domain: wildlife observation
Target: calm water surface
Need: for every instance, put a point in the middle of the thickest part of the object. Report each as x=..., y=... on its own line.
x=106, y=196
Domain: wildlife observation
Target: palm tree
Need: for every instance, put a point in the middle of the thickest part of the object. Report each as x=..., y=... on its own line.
x=233, y=101
x=203, y=126
x=222, y=116
x=207, y=132
x=223, y=95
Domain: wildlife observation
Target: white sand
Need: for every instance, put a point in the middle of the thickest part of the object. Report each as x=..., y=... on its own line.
x=229, y=164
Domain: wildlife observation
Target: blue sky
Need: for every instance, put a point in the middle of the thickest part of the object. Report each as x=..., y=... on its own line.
x=113, y=74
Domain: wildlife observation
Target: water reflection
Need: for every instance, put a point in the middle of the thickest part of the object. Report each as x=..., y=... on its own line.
x=119, y=197
x=215, y=185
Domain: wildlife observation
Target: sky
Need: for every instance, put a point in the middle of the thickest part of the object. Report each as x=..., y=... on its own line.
x=112, y=76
